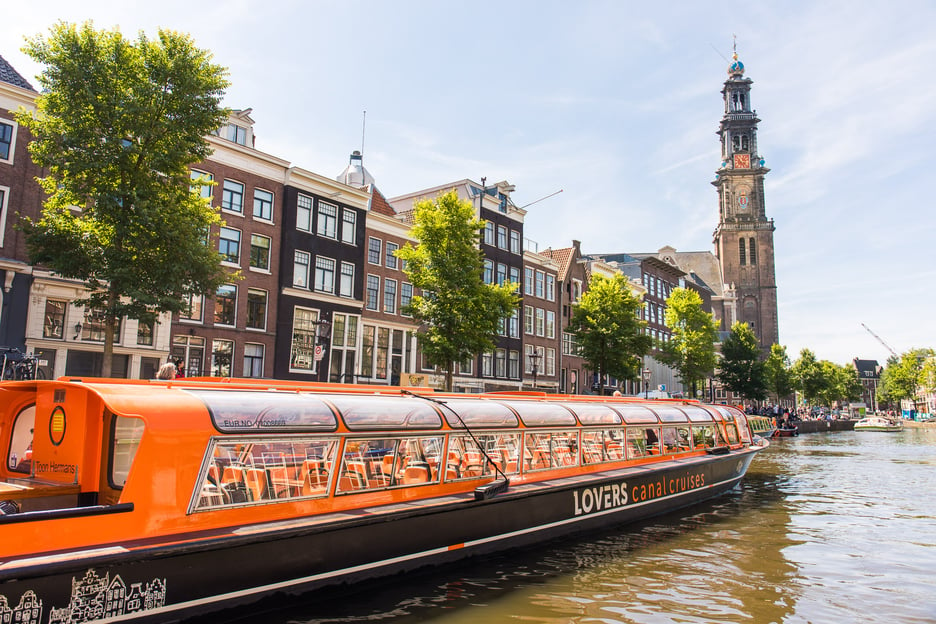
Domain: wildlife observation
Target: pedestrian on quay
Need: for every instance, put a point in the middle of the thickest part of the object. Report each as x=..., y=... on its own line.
x=166, y=371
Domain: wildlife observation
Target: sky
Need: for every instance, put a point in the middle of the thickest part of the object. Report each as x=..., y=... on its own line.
x=617, y=105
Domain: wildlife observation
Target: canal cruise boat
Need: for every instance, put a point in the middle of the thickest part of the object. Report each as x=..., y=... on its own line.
x=161, y=500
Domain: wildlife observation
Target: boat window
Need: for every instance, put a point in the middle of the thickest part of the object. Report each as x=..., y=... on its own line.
x=732, y=432
x=540, y=414
x=465, y=460
x=676, y=440
x=19, y=457
x=697, y=413
x=724, y=412
x=234, y=411
x=554, y=449
x=126, y=439
x=253, y=470
x=602, y=445
x=669, y=413
x=479, y=413
x=741, y=421
x=366, y=413
x=594, y=413
x=635, y=414
x=376, y=463
x=705, y=436
x=643, y=441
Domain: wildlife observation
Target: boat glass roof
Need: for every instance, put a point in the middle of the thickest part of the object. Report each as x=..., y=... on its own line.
x=541, y=414
x=239, y=411
x=478, y=413
x=594, y=413
x=368, y=413
x=670, y=414
x=635, y=414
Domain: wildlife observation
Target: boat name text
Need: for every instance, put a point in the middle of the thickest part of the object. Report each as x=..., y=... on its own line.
x=56, y=467
x=604, y=497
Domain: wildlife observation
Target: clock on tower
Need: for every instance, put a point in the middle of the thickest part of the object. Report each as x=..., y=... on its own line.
x=742, y=161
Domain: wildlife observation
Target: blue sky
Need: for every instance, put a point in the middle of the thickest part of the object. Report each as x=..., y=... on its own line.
x=617, y=104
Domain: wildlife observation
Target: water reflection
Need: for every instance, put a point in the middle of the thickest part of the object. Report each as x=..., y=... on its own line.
x=826, y=527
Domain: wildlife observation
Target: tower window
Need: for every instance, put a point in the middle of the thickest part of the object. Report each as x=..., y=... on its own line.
x=741, y=255
x=751, y=251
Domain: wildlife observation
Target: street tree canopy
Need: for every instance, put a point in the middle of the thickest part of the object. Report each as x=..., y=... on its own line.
x=778, y=375
x=903, y=376
x=740, y=368
x=609, y=334
x=460, y=313
x=117, y=126
x=691, y=347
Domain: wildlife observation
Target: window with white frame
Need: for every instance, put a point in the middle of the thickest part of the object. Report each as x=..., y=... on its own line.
x=324, y=274
x=550, y=324
x=487, y=364
x=488, y=233
x=263, y=205
x=302, y=348
x=540, y=287
x=53, y=324
x=389, y=296
x=528, y=320
x=222, y=353
x=348, y=227
x=550, y=361
x=4, y=199
x=372, y=296
x=346, y=281
x=540, y=322
x=233, y=132
x=515, y=277
x=260, y=252
x=513, y=365
x=7, y=140
x=204, y=186
x=193, y=308
x=92, y=330
x=501, y=237
x=327, y=220
x=514, y=241
x=550, y=287
x=391, y=261
x=500, y=362
x=406, y=297
x=301, y=261
x=229, y=245
x=225, y=305
x=528, y=281
x=374, y=246
x=146, y=333
x=501, y=274
x=514, y=324
x=256, y=308
x=304, y=213
x=232, y=197
x=253, y=360
x=488, y=275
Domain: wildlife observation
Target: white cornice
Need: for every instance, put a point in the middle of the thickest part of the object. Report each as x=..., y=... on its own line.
x=320, y=185
x=320, y=298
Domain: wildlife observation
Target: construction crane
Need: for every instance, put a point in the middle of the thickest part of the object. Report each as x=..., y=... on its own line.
x=878, y=338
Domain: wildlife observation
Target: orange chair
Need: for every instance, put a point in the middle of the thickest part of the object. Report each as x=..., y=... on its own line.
x=258, y=484
x=416, y=473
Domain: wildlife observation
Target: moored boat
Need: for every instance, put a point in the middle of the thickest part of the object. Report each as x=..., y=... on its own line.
x=162, y=500
x=878, y=423
x=786, y=431
x=762, y=426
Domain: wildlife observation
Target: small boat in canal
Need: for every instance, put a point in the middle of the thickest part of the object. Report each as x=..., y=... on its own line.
x=786, y=431
x=162, y=500
x=878, y=423
x=762, y=426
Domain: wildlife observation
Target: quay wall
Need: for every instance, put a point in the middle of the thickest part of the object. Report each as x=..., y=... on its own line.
x=819, y=426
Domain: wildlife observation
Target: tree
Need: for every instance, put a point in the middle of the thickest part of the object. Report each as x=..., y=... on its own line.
x=691, y=347
x=808, y=375
x=609, y=334
x=461, y=314
x=904, y=375
x=740, y=369
x=117, y=126
x=777, y=373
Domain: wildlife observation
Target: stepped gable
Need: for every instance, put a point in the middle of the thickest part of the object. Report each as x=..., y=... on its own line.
x=379, y=203
x=13, y=77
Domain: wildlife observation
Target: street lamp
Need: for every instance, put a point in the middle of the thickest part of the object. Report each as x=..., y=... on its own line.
x=535, y=356
x=646, y=380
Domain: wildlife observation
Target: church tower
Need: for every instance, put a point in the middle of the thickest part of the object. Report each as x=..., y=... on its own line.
x=743, y=239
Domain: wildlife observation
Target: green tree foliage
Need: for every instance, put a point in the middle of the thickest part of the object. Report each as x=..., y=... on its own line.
x=841, y=383
x=778, y=374
x=117, y=126
x=807, y=373
x=461, y=314
x=903, y=376
x=691, y=348
x=609, y=334
x=740, y=368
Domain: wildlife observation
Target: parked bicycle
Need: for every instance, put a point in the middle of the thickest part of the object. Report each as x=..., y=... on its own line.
x=18, y=365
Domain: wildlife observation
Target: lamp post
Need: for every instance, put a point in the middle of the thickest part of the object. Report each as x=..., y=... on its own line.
x=646, y=380
x=322, y=333
x=535, y=356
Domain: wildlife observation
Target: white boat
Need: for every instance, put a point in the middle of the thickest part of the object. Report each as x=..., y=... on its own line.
x=878, y=423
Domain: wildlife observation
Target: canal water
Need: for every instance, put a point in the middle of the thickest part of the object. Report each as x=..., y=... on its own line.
x=829, y=527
